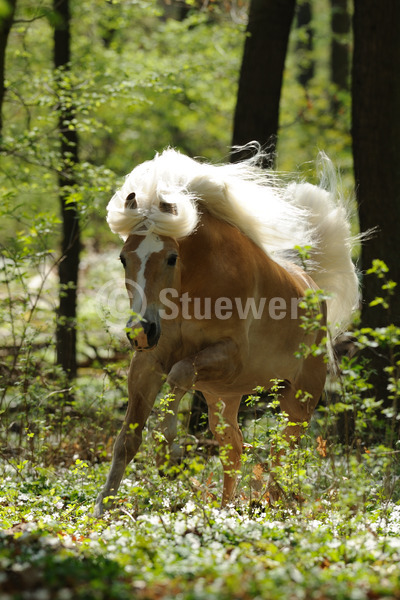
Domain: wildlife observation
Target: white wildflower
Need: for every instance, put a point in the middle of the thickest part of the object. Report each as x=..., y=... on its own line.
x=189, y=507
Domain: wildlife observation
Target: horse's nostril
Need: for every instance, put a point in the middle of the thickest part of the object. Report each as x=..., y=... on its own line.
x=152, y=330
x=151, y=333
x=143, y=334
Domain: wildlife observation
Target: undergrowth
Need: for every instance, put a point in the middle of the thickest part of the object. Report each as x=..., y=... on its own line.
x=334, y=534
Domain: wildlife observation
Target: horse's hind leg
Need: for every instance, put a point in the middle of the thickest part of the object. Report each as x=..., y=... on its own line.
x=144, y=382
x=298, y=401
x=222, y=415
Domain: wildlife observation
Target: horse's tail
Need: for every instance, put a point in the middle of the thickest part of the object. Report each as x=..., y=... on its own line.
x=330, y=263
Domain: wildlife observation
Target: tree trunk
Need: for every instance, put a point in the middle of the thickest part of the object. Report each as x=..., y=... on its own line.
x=305, y=44
x=340, y=52
x=376, y=148
x=70, y=245
x=6, y=22
x=257, y=108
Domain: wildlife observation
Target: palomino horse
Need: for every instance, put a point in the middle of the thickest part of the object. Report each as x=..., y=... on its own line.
x=214, y=300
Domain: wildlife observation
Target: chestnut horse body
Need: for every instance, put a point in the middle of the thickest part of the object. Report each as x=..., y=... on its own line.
x=217, y=310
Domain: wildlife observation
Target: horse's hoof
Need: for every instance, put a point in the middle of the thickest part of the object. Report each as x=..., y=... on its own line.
x=100, y=507
x=274, y=493
x=98, y=510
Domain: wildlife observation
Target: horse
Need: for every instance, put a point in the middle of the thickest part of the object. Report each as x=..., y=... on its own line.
x=215, y=269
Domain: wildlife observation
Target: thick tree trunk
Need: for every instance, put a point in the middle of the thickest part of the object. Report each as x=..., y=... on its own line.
x=376, y=147
x=257, y=109
x=70, y=245
x=5, y=27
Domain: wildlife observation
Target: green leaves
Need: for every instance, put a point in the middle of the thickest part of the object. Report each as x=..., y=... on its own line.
x=327, y=549
x=138, y=82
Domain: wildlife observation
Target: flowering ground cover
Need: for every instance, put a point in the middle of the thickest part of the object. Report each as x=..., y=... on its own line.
x=334, y=535
x=167, y=539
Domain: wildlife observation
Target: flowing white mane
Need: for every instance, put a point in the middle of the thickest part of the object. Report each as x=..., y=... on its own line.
x=240, y=194
x=276, y=217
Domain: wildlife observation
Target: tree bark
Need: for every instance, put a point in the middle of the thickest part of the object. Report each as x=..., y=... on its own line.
x=376, y=149
x=70, y=244
x=5, y=27
x=257, y=108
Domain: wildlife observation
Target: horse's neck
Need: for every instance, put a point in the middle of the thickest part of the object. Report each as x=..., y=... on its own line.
x=212, y=241
x=218, y=253
x=212, y=233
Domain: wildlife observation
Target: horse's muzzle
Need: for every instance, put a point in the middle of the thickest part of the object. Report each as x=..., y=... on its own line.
x=146, y=333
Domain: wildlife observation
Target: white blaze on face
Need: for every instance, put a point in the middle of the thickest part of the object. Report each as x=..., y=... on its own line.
x=151, y=244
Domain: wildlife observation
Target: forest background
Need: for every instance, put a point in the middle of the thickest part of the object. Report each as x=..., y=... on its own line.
x=88, y=90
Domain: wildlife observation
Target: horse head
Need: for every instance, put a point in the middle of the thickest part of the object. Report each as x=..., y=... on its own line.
x=151, y=265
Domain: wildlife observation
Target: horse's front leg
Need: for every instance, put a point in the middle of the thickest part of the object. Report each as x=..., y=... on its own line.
x=144, y=382
x=220, y=362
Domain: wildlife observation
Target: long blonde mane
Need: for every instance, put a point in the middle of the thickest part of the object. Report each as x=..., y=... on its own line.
x=276, y=217
x=240, y=194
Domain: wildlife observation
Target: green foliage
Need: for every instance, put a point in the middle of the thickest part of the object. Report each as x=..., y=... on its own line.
x=166, y=544
x=138, y=82
x=333, y=534
x=318, y=116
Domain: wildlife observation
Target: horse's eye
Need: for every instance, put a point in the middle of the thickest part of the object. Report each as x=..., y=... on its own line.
x=171, y=260
x=122, y=259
